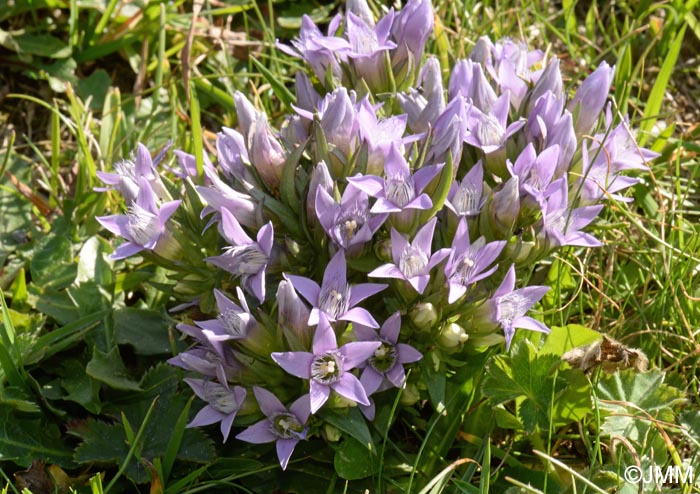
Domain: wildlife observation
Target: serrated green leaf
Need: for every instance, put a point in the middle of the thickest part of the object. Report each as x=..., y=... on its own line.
x=145, y=330
x=24, y=440
x=631, y=400
x=352, y=462
x=109, y=369
x=52, y=265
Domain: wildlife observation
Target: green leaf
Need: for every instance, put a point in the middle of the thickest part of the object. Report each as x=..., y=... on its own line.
x=109, y=369
x=145, y=330
x=631, y=400
x=95, y=87
x=352, y=423
x=92, y=263
x=352, y=462
x=24, y=440
x=79, y=387
x=108, y=442
x=52, y=265
x=524, y=374
x=43, y=45
x=281, y=91
x=562, y=339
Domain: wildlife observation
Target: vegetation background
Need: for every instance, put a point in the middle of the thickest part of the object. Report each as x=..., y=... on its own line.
x=83, y=81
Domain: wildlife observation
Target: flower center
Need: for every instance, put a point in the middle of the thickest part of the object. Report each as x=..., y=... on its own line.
x=334, y=300
x=510, y=307
x=384, y=357
x=126, y=168
x=142, y=225
x=327, y=368
x=246, y=259
x=287, y=426
x=399, y=191
x=413, y=262
x=348, y=223
x=489, y=131
x=235, y=322
x=467, y=200
x=219, y=398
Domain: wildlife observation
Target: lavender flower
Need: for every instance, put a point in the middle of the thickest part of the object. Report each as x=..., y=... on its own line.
x=129, y=172
x=220, y=196
x=245, y=257
x=327, y=368
x=412, y=261
x=143, y=226
x=465, y=197
x=508, y=306
x=293, y=316
x=561, y=224
x=266, y=153
x=379, y=135
x=285, y=427
x=335, y=298
x=232, y=323
x=590, y=98
x=469, y=263
x=398, y=191
x=424, y=105
x=385, y=367
x=411, y=28
x=350, y=223
x=317, y=50
x=222, y=404
x=369, y=45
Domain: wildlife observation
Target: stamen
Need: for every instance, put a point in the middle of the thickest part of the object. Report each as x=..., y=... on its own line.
x=334, y=300
x=467, y=200
x=219, y=398
x=142, y=225
x=246, y=259
x=327, y=368
x=384, y=357
x=234, y=322
x=413, y=262
x=399, y=191
x=510, y=307
x=287, y=426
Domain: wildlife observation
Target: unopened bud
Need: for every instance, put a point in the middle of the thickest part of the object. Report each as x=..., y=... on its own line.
x=452, y=336
x=424, y=315
x=409, y=395
x=332, y=433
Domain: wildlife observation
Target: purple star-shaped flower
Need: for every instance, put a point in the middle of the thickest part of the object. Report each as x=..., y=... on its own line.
x=379, y=134
x=399, y=189
x=222, y=404
x=233, y=321
x=509, y=306
x=561, y=224
x=143, y=226
x=220, y=196
x=349, y=223
x=535, y=172
x=327, y=368
x=490, y=131
x=128, y=173
x=412, y=261
x=285, y=427
x=469, y=262
x=384, y=368
x=318, y=50
x=335, y=298
x=245, y=257
x=368, y=45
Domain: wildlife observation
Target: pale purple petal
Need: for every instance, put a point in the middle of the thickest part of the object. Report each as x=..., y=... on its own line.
x=318, y=395
x=387, y=271
x=383, y=205
x=407, y=354
x=364, y=290
x=324, y=338
x=258, y=433
x=396, y=375
x=232, y=231
x=206, y=416
x=306, y=287
x=526, y=322
x=351, y=388
x=115, y=223
x=369, y=184
x=357, y=352
x=420, y=282
x=226, y=424
x=425, y=175
x=421, y=202
x=285, y=448
x=507, y=284
x=360, y=316
x=296, y=363
x=127, y=249
x=301, y=408
x=166, y=211
x=268, y=402
x=265, y=238
x=371, y=380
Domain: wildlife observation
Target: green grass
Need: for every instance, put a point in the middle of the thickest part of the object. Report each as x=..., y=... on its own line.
x=82, y=85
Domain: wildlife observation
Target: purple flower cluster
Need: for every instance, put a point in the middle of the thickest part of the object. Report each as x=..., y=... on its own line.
x=446, y=189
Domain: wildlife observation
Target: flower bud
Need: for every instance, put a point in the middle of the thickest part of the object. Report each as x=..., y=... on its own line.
x=452, y=336
x=246, y=112
x=382, y=249
x=550, y=80
x=320, y=177
x=424, y=315
x=410, y=395
x=361, y=9
x=590, y=98
x=331, y=433
x=339, y=120
x=266, y=153
x=411, y=29
x=307, y=97
x=293, y=316
x=505, y=208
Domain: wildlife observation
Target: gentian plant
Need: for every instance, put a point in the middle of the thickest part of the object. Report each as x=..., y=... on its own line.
x=453, y=191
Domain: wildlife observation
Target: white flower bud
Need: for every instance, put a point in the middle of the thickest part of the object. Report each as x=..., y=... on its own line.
x=452, y=336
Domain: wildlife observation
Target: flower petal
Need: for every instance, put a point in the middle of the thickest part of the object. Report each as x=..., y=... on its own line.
x=357, y=352
x=285, y=448
x=308, y=289
x=258, y=433
x=351, y=388
x=296, y=363
x=318, y=395
x=364, y=290
x=360, y=316
x=268, y=402
x=371, y=379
